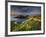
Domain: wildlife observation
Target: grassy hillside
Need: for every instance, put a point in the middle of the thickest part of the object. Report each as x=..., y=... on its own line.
x=29, y=24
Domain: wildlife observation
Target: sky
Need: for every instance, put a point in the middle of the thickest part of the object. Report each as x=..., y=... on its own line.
x=25, y=10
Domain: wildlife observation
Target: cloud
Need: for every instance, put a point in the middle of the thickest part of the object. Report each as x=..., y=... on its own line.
x=26, y=10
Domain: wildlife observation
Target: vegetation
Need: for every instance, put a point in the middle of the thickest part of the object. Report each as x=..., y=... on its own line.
x=29, y=24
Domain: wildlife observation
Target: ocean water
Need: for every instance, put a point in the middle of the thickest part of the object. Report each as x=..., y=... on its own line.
x=16, y=19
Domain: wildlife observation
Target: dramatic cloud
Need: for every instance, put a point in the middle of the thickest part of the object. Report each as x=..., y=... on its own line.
x=25, y=10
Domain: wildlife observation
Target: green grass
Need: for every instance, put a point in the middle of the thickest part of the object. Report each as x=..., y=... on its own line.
x=26, y=25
